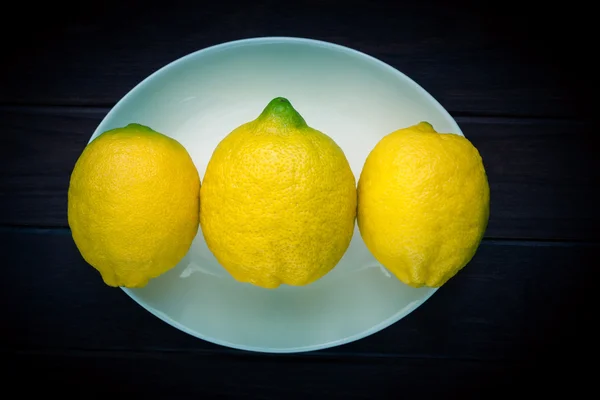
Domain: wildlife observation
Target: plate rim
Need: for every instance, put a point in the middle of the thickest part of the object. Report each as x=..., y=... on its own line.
x=278, y=40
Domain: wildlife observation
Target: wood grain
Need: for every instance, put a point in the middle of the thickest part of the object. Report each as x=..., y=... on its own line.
x=515, y=301
x=181, y=376
x=541, y=171
x=475, y=58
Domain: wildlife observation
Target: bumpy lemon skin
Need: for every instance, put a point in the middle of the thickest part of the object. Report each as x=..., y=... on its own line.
x=278, y=200
x=423, y=204
x=133, y=204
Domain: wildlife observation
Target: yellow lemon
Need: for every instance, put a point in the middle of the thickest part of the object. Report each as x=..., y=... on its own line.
x=133, y=204
x=278, y=200
x=423, y=204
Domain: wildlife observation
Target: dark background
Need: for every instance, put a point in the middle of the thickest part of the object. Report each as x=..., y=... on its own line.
x=518, y=78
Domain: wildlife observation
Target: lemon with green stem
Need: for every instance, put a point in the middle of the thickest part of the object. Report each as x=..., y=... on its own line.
x=133, y=204
x=278, y=200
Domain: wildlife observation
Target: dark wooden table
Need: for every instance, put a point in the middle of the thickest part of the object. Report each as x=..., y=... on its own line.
x=515, y=319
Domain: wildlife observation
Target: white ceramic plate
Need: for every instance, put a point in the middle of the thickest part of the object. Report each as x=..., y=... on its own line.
x=350, y=96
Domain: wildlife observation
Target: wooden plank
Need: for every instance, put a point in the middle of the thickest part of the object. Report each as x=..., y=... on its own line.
x=473, y=59
x=541, y=171
x=516, y=301
x=39, y=149
x=179, y=376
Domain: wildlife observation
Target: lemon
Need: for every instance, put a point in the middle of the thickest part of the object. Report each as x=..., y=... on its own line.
x=133, y=204
x=278, y=200
x=423, y=204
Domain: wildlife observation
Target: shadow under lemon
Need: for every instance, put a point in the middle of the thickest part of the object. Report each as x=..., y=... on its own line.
x=200, y=296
